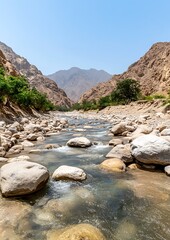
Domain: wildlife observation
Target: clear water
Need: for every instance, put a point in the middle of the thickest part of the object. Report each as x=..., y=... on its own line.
x=134, y=205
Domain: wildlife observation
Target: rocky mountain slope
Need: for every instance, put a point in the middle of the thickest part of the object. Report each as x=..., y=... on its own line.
x=76, y=81
x=35, y=77
x=152, y=71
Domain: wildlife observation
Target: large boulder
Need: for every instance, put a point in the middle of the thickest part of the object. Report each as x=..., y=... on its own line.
x=68, y=172
x=122, y=152
x=22, y=177
x=79, y=142
x=151, y=149
x=113, y=164
x=76, y=232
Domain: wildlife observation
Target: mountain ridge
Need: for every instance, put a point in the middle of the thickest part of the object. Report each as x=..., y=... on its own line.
x=75, y=80
x=35, y=77
x=152, y=71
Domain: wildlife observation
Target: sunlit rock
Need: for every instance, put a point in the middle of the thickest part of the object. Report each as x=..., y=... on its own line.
x=22, y=177
x=68, y=172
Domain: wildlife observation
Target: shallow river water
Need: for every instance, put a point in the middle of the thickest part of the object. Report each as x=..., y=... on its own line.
x=134, y=205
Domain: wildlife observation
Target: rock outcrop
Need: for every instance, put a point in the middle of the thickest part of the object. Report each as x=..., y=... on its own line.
x=35, y=77
x=152, y=71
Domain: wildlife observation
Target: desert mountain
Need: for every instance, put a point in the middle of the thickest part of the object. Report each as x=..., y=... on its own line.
x=35, y=77
x=76, y=81
x=152, y=71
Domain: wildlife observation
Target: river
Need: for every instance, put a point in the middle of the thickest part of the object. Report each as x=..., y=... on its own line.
x=134, y=205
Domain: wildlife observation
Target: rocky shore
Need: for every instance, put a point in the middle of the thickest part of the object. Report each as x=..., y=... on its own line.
x=140, y=136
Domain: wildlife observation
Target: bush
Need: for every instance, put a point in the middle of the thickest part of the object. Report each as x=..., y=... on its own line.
x=17, y=90
x=126, y=91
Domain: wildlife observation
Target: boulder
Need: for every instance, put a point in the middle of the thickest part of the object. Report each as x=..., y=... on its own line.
x=76, y=232
x=122, y=152
x=167, y=170
x=151, y=149
x=79, y=142
x=31, y=128
x=22, y=177
x=32, y=137
x=115, y=141
x=27, y=143
x=122, y=127
x=114, y=165
x=68, y=172
x=51, y=146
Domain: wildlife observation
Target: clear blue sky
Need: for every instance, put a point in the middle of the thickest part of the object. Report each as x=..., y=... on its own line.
x=102, y=34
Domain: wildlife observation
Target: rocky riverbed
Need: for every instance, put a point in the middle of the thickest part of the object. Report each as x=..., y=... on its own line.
x=86, y=175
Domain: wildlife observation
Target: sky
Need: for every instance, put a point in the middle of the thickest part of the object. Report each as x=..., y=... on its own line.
x=101, y=34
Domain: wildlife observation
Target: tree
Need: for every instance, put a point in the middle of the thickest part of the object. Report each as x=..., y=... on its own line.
x=126, y=91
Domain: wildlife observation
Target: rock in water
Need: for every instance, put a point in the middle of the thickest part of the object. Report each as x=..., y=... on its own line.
x=23, y=177
x=68, y=172
x=122, y=152
x=114, y=165
x=79, y=142
x=150, y=149
x=76, y=232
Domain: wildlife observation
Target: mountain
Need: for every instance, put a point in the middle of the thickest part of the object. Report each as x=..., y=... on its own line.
x=152, y=71
x=35, y=77
x=76, y=81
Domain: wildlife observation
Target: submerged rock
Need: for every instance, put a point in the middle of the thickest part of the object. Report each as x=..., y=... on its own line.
x=76, y=232
x=51, y=146
x=114, y=165
x=68, y=172
x=23, y=177
x=151, y=149
x=79, y=142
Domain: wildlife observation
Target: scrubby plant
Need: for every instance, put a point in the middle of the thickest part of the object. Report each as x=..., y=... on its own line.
x=17, y=90
x=126, y=91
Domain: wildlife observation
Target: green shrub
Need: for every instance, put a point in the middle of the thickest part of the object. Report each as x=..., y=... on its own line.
x=126, y=91
x=17, y=90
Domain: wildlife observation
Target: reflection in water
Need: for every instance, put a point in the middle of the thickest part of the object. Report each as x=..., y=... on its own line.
x=126, y=206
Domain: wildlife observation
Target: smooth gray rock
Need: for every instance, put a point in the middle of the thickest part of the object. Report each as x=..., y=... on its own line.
x=68, y=172
x=79, y=142
x=151, y=149
x=22, y=177
x=122, y=152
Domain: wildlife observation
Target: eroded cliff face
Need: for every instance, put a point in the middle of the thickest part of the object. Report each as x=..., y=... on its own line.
x=35, y=77
x=9, y=68
x=152, y=71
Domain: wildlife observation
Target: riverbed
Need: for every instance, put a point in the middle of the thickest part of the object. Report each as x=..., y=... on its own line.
x=134, y=205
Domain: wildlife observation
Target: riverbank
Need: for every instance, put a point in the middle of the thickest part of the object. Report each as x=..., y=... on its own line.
x=120, y=205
